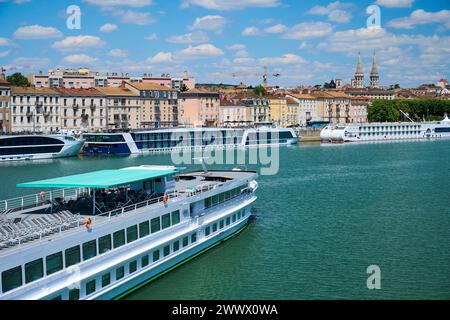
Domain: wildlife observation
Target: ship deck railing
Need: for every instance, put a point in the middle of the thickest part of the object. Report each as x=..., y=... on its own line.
x=51, y=226
x=40, y=200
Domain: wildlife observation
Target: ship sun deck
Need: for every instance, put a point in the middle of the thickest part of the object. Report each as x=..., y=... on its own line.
x=101, y=196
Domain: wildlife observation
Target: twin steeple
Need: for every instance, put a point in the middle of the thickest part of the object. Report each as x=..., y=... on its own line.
x=374, y=76
x=358, y=80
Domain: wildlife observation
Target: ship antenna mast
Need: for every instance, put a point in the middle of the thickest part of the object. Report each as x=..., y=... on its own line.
x=406, y=115
x=202, y=161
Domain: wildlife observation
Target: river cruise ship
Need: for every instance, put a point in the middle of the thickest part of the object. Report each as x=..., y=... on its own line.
x=167, y=140
x=101, y=235
x=391, y=131
x=34, y=147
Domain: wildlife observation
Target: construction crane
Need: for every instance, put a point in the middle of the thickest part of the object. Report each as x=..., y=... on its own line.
x=265, y=76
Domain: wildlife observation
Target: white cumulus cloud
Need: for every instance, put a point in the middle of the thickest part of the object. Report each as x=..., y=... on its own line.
x=251, y=31
x=201, y=51
x=193, y=37
x=335, y=11
x=285, y=59
x=5, y=42
x=236, y=47
x=231, y=4
x=395, y=3
x=118, y=53
x=161, y=57
x=79, y=59
x=152, y=37
x=209, y=23
x=78, y=43
x=109, y=27
x=124, y=3
x=37, y=32
x=278, y=28
x=308, y=30
x=420, y=17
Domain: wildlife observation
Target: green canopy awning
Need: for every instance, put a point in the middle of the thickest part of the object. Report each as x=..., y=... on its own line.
x=101, y=179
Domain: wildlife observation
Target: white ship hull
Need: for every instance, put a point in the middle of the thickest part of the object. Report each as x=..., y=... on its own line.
x=152, y=273
x=66, y=148
x=202, y=223
x=379, y=132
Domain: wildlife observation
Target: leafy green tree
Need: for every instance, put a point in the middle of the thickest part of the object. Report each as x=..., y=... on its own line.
x=18, y=79
x=260, y=90
x=417, y=109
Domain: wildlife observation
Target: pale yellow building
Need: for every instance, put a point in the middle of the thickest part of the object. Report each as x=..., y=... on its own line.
x=333, y=106
x=123, y=109
x=282, y=114
x=159, y=104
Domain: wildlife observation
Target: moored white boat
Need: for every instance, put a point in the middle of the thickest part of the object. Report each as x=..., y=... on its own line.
x=33, y=147
x=167, y=140
x=107, y=232
x=389, y=131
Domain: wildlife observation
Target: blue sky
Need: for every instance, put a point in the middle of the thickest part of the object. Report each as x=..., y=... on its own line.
x=307, y=42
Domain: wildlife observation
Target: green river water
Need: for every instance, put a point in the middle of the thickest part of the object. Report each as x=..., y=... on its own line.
x=329, y=213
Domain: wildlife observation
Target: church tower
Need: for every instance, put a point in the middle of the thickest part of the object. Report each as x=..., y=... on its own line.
x=374, y=75
x=358, y=81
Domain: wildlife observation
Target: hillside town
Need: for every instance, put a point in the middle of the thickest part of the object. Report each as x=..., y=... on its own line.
x=86, y=101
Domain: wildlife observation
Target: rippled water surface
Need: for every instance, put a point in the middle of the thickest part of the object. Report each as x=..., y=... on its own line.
x=329, y=213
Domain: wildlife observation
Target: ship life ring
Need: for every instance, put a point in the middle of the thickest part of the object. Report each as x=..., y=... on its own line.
x=166, y=199
x=88, y=223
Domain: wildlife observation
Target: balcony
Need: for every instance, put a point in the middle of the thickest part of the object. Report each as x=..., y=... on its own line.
x=93, y=106
x=75, y=106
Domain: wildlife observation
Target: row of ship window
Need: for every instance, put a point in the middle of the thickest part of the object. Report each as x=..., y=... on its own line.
x=131, y=267
x=213, y=227
x=221, y=197
x=390, y=128
x=34, y=270
x=120, y=272
x=390, y=132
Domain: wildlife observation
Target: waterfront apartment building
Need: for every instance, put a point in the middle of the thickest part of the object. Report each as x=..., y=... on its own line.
x=82, y=110
x=333, y=106
x=35, y=110
x=282, y=114
x=159, y=104
x=358, y=110
x=123, y=108
x=5, y=111
x=259, y=110
x=307, y=108
x=233, y=113
x=199, y=108
x=85, y=78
